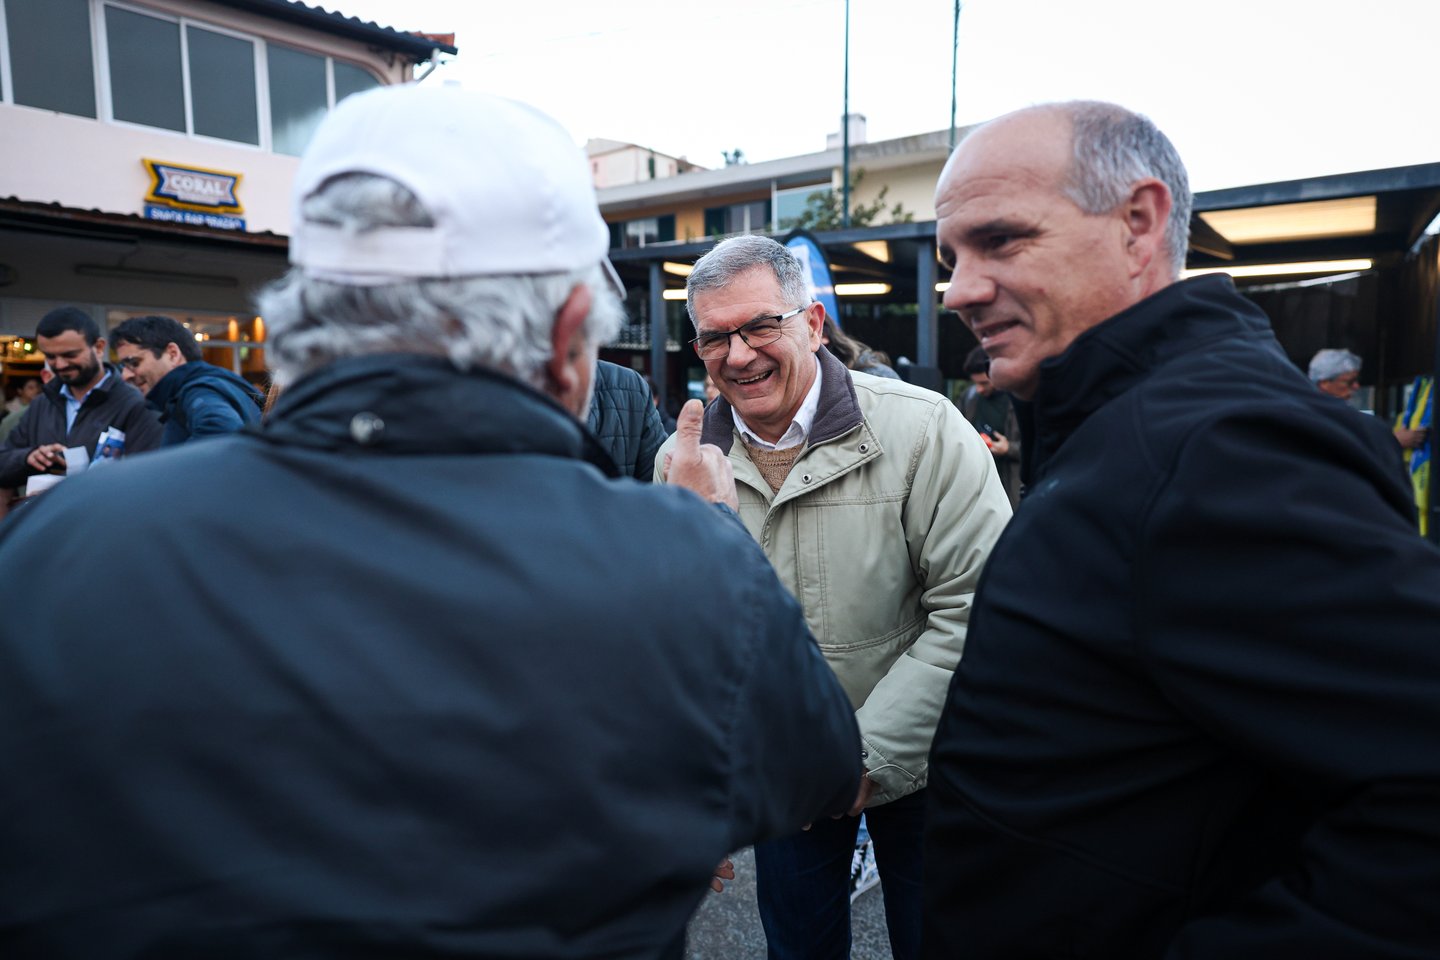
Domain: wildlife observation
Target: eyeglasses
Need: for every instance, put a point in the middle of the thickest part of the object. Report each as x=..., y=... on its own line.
x=131, y=362
x=760, y=332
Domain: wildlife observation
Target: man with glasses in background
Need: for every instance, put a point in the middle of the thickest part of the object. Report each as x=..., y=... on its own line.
x=878, y=505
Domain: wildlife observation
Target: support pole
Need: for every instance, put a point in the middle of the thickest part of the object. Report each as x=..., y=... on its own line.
x=659, y=333
x=845, y=131
x=927, y=332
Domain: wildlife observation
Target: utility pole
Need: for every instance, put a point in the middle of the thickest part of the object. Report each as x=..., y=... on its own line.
x=845, y=132
x=954, y=71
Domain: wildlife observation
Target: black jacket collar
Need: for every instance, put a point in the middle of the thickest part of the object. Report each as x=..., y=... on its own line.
x=1110, y=358
x=837, y=413
x=173, y=383
x=413, y=404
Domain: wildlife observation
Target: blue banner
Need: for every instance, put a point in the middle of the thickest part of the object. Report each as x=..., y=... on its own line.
x=817, y=268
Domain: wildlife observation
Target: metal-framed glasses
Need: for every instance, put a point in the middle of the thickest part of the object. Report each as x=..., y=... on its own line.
x=760, y=332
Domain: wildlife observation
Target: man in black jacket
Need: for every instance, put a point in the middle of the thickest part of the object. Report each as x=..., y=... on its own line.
x=85, y=398
x=1199, y=710
x=625, y=420
x=194, y=399
x=405, y=673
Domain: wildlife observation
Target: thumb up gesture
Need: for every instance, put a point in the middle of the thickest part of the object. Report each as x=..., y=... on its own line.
x=699, y=467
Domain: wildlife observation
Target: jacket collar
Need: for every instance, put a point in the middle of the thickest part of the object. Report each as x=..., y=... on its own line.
x=836, y=415
x=412, y=404
x=1110, y=358
x=173, y=383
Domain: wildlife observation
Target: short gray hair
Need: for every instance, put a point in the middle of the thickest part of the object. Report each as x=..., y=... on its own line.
x=730, y=258
x=501, y=322
x=1329, y=364
x=1113, y=148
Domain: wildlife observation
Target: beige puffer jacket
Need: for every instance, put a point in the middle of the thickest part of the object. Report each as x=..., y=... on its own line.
x=880, y=531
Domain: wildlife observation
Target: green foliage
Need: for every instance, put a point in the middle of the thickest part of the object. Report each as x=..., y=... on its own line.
x=823, y=209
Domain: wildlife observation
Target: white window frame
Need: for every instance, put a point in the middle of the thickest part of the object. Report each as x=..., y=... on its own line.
x=102, y=72
x=100, y=65
x=330, y=61
x=5, y=79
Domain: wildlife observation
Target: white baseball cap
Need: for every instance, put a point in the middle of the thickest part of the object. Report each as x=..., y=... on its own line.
x=508, y=189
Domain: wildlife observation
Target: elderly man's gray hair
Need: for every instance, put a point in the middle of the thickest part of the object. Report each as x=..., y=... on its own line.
x=1329, y=364
x=730, y=258
x=501, y=322
x=1113, y=149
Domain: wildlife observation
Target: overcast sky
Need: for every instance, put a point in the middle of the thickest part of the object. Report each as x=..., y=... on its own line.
x=1251, y=91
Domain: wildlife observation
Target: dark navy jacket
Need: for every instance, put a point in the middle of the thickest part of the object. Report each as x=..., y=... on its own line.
x=624, y=419
x=1198, y=714
x=199, y=399
x=412, y=679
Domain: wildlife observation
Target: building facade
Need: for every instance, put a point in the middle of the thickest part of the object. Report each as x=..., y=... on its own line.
x=149, y=151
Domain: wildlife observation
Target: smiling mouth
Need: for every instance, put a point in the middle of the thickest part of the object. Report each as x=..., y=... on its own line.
x=992, y=330
x=757, y=379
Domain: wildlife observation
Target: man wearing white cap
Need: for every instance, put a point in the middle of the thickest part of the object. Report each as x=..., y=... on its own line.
x=404, y=673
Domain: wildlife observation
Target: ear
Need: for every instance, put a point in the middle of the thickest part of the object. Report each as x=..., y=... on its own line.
x=1146, y=212
x=173, y=354
x=100, y=348
x=567, y=372
x=815, y=320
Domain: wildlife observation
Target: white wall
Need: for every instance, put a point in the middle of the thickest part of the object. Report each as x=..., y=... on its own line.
x=78, y=162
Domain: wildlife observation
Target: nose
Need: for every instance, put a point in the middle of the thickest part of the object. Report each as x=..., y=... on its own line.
x=741, y=353
x=970, y=286
x=127, y=374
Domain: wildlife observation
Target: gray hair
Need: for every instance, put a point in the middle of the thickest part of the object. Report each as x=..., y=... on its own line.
x=1114, y=148
x=1329, y=364
x=501, y=322
x=730, y=258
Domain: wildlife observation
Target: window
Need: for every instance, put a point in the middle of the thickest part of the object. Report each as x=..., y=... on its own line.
x=300, y=86
x=351, y=79
x=640, y=233
x=146, y=76
x=737, y=218
x=791, y=203
x=297, y=98
x=38, y=31
x=222, y=85
x=166, y=71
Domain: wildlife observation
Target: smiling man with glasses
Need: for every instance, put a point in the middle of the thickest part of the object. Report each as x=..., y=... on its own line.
x=878, y=504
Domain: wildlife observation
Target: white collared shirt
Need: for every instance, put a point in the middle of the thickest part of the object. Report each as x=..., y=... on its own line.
x=798, y=431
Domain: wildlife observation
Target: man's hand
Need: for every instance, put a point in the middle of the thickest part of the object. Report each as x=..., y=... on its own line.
x=45, y=456
x=999, y=445
x=1410, y=439
x=726, y=870
x=699, y=467
x=867, y=790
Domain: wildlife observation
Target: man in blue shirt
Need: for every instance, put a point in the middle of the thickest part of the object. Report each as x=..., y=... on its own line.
x=85, y=399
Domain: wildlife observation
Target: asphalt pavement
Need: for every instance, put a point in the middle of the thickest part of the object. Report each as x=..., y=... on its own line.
x=727, y=925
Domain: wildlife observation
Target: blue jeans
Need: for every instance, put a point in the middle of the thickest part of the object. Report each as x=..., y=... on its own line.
x=803, y=883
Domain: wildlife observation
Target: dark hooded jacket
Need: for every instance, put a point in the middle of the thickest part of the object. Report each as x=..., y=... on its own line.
x=413, y=678
x=112, y=404
x=1198, y=714
x=199, y=399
